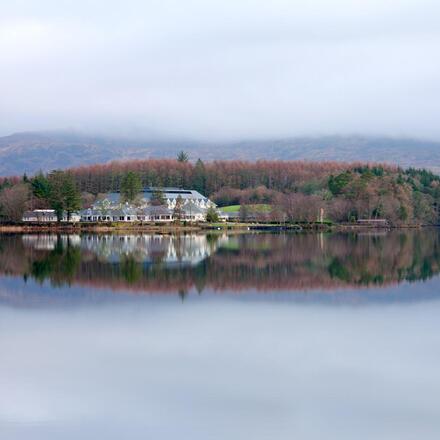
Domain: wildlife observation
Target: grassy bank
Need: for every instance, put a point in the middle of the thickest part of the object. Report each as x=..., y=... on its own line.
x=98, y=227
x=124, y=227
x=259, y=207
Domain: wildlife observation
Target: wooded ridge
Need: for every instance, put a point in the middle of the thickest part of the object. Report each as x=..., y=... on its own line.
x=296, y=190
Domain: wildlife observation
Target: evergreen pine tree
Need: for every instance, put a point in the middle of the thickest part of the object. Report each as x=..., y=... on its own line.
x=178, y=209
x=71, y=196
x=199, y=181
x=131, y=186
x=212, y=215
x=182, y=157
x=63, y=194
x=40, y=186
x=157, y=198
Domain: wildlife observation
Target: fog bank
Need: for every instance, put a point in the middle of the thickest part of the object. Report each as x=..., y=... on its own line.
x=220, y=70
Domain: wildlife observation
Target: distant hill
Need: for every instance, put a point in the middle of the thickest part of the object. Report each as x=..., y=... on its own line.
x=31, y=151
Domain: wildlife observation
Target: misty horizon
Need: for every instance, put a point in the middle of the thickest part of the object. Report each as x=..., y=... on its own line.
x=146, y=136
x=221, y=71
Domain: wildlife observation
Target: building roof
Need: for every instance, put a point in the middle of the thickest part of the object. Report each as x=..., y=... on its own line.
x=90, y=211
x=123, y=211
x=39, y=212
x=44, y=213
x=29, y=214
x=192, y=208
x=109, y=212
x=155, y=210
x=168, y=193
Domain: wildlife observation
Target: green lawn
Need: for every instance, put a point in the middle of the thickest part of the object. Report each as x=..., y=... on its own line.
x=231, y=208
x=236, y=208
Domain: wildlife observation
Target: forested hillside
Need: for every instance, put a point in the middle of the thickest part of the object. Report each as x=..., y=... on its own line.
x=294, y=190
x=34, y=151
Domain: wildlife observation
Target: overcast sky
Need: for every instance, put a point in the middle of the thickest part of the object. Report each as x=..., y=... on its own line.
x=221, y=69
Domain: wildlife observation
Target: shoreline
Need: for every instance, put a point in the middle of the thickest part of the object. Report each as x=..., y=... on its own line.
x=177, y=229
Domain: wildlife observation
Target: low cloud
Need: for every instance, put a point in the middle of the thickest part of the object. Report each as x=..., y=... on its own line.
x=221, y=70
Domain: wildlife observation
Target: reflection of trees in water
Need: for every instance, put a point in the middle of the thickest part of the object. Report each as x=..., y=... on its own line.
x=257, y=261
x=130, y=270
x=60, y=265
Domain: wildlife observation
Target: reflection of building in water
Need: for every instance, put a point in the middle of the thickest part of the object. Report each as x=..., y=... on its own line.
x=189, y=249
x=169, y=249
x=265, y=262
x=48, y=242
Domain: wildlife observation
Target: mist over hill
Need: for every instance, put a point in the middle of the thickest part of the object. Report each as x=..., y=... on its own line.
x=31, y=151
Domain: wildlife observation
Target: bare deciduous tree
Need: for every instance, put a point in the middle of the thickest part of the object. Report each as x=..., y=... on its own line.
x=14, y=201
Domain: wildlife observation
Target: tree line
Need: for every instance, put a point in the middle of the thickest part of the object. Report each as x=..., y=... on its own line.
x=295, y=190
x=56, y=190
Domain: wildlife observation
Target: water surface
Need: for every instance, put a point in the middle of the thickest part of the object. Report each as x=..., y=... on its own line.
x=220, y=336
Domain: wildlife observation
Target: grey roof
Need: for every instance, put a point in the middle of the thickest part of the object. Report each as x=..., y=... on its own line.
x=191, y=208
x=109, y=212
x=168, y=193
x=44, y=213
x=40, y=212
x=90, y=211
x=123, y=211
x=155, y=210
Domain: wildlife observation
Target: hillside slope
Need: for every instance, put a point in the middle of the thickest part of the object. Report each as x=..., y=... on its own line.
x=30, y=152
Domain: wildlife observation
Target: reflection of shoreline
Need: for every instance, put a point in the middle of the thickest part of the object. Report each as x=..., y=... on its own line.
x=262, y=262
x=158, y=288
x=33, y=295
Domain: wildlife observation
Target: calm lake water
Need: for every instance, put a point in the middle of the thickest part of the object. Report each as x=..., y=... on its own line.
x=252, y=336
